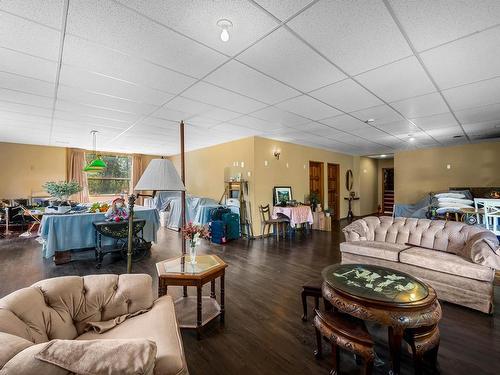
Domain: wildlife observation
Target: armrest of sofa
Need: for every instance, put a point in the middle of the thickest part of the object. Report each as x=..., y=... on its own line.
x=356, y=231
x=483, y=248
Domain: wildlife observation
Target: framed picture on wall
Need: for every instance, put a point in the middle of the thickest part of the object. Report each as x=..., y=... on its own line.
x=282, y=194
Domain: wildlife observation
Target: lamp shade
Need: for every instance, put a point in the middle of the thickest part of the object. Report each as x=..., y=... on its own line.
x=160, y=175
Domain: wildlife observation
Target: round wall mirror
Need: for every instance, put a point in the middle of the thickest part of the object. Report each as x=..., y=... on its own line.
x=348, y=180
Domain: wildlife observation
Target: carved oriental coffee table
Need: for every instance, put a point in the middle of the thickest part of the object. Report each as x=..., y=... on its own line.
x=406, y=305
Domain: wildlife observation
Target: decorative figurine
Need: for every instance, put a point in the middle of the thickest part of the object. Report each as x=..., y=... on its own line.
x=118, y=211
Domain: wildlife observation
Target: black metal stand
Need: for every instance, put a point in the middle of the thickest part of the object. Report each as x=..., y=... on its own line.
x=131, y=202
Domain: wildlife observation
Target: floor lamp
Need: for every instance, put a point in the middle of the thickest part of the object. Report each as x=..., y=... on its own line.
x=160, y=175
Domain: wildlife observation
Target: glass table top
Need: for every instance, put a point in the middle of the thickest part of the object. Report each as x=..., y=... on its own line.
x=375, y=283
x=183, y=265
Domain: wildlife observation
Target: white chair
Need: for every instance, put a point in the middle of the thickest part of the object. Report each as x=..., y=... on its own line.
x=492, y=216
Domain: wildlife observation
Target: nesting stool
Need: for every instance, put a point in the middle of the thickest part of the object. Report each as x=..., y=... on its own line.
x=343, y=332
x=311, y=289
x=423, y=340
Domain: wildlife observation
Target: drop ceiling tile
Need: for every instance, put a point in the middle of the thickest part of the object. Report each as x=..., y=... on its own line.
x=202, y=121
x=14, y=118
x=173, y=115
x=369, y=132
x=90, y=119
x=442, y=120
x=46, y=12
x=429, y=23
x=402, y=127
x=103, y=101
x=474, y=94
x=346, y=95
x=28, y=37
x=214, y=95
x=96, y=58
x=114, y=26
x=30, y=66
x=308, y=107
x=284, y=57
x=187, y=106
x=466, y=60
x=101, y=84
x=273, y=114
x=283, y=9
x=382, y=114
x=482, y=127
x=24, y=84
x=420, y=106
x=16, y=108
x=24, y=98
x=324, y=131
x=198, y=20
x=479, y=114
x=357, y=35
x=246, y=81
x=445, y=132
x=343, y=122
x=94, y=111
x=255, y=123
x=400, y=80
x=234, y=130
x=221, y=114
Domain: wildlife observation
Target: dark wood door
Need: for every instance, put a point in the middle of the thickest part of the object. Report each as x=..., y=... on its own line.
x=334, y=189
x=388, y=190
x=316, y=179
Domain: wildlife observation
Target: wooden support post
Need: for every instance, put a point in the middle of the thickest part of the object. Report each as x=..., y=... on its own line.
x=131, y=202
x=183, y=193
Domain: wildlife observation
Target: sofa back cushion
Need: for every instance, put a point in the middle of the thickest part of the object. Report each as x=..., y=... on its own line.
x=59, y=308
x=449, y=236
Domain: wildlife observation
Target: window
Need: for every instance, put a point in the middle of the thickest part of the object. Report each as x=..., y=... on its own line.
x=114, y=179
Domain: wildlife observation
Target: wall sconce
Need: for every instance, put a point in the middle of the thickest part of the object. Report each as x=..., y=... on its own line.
x=277, y=154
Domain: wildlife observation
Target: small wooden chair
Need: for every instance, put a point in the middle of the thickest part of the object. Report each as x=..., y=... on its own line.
x=311, y=289
x=266, y=222
x=343, y=332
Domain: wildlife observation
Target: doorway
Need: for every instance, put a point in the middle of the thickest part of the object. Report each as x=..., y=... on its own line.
x=387, y=190
x=333, y=183
x=316, y=179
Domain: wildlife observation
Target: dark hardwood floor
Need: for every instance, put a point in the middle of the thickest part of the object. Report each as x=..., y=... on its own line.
x=263, y=333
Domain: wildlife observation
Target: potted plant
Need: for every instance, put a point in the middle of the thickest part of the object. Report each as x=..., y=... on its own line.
x=194, y=233
x=328, y=212
x=313, y=200
x=61, y=191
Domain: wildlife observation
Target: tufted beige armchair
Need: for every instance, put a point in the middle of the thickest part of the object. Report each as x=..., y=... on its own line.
x=60, y=308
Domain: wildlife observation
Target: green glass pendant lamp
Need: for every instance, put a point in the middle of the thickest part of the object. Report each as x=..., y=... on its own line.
x=97, y=164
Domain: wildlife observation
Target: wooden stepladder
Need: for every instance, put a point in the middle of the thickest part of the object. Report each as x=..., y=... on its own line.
x=239, y=190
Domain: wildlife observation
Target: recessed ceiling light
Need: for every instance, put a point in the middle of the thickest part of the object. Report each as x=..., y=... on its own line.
x=225, y=25
x=370, y=120
x=383, y=155
x=411, y=139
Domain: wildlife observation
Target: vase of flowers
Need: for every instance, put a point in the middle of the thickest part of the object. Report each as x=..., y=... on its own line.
x=193, y=234
x=61, y=191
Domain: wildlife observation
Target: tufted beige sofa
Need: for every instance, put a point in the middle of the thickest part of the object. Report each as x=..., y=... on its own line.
x=59, y=308
x=435, y=251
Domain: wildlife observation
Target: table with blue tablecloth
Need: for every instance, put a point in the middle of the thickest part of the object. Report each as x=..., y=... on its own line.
x=75, y=231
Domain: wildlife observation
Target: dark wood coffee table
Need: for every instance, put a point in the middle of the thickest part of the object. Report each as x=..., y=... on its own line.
x=194, y=312
x=406, y=305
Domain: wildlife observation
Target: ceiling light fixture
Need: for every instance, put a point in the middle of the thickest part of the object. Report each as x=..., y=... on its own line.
x=412, y=138
x=97, y=164
x=225, y=25
x=370, y=120
x=383, y=155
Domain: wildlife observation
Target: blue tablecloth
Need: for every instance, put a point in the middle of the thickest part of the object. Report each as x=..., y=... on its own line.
x=75, y=231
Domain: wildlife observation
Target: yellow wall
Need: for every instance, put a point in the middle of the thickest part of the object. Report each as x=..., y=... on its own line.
x=382, y=163
x=422, y=171
x=368, y=185
x=25, y=168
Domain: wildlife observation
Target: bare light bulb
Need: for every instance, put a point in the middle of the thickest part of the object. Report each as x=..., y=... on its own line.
x=224, y=35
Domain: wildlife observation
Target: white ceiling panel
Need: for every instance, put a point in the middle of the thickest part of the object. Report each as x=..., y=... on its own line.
x=183, y=108
x=482, y=127
x=90, y=119
x=343, y=122
x=24, y=84
x=315, y=128
x=308, y=107
x=430, y=23
x=96, y=58
x=479, y=114
x=202, y=122
x=95, y=111
x=400, y=80
x=357, y=35
x=283, y=9
x=446, y=133
x=420, y=106
x=222, y=98
x=474, y=94
x=325, y=131
x=30, y=66
x=24, y=109
x=111, y=24
x=346, y=95
x=273, y=114
x=246, y=81
x=399, y=127
x=283, y=56
x=249, y=22
x=442, y=120
x=102, y=84
x=221, y=114
x=235, y=130
x=48, y=12
x=25, y=98
x=28, y=37
x=382, y=114
x=466, y=60
x=369, y=132
x=255, y=123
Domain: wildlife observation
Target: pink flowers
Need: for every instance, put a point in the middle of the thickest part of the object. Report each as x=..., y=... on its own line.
x=194, y=233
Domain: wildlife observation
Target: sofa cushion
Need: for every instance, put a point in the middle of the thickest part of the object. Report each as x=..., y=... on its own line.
x=374, y=249
x=158, y=325
x=11, y=345
x=446, y=262
x=25, y=363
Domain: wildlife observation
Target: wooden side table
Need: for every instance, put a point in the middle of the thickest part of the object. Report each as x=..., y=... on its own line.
x=194, y=312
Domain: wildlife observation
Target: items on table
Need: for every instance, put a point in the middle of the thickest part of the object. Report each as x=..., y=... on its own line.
x=118, y=211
